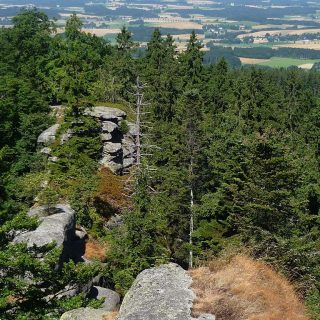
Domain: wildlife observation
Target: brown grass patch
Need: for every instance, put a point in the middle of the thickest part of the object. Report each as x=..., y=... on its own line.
x=95, y=250
x=243, y=289
x=110, y=316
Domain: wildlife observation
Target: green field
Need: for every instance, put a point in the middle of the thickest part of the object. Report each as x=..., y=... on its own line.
x=277, y=62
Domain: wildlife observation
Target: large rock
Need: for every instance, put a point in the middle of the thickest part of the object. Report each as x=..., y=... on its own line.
x=114, y=163
x=133, y=129
x=106, y=113
x=161, y=293
x=112, y=298
x=128, y=162
x=66, y=136
x=85, y=314
x=49, y=135
x=129, y=147
x=111, y=148
x=109, y=126
x=105, y=136
x=46, y=151
x=57, y=224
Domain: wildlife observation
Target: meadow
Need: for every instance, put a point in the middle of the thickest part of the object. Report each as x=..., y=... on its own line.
x=278, y=62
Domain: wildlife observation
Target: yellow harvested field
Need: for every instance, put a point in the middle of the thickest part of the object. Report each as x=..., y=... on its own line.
x=252, y=61
x=303, y=44
x=306, y=66
x=283, y=32
x=174, y=23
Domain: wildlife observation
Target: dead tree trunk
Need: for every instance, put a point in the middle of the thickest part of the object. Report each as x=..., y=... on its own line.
x=139, y=95
x=191, y=228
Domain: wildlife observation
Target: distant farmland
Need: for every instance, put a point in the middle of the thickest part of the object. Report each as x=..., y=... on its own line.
x=277, y=62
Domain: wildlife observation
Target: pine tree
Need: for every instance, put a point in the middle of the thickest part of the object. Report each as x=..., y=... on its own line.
x=124, y=41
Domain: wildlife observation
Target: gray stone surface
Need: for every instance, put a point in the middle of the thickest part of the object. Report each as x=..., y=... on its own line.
x=161, y=293
x=105, y=136
x=84, y=314
x=58, y=226
x=112, y=298
x=111, y=148
x=43, y=211
x=133, y=130
x=53, y=159
x=109, y=126
x=106, y=113
x=48, y=136
x=114, y=222
x=66, y=136
x=206, y=316
x=113, y=163
x=46, y=150
x=128, y=162
x=128, y=147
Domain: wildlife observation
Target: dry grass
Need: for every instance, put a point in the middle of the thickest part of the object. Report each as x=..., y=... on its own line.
x=240, y=288
x=95, y=250
x=110, y=316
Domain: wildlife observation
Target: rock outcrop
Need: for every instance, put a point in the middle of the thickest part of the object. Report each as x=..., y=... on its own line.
x=85, y=314
x=49, y=135
x=160, y=293
x=106, y=113
x=57, y=224
x=118, y=152
x=118, y=145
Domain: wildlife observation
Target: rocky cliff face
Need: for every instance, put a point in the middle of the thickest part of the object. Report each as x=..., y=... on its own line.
x=117, y=136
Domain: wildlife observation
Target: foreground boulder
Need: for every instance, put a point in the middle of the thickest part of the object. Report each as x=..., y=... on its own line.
x=160, y=293
x=85, y=314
